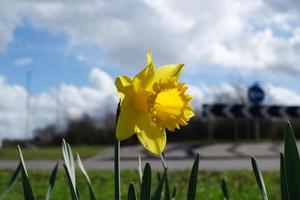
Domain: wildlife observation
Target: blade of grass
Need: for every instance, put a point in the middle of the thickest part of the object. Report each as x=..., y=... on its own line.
x=292, y=163
x=259, y=179
x=27, y=189
x=193, y=179
x=81, y=167
x=52, y=181
x=283, y=183
x=12, y=182
x=146, y=183
x=224, y=190
x=131, y=192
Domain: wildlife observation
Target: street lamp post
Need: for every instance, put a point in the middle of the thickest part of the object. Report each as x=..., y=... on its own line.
x=28, y=104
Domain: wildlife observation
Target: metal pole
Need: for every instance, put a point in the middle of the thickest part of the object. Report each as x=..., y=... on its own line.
x=248, y=128
x=28, y=133
x=56, y=107
x=256, y=129
x=210, y=123
x=236, y=130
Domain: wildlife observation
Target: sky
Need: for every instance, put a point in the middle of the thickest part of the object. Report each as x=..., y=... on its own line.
x=63, y=56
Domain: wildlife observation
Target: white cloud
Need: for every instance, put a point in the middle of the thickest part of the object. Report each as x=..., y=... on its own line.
x=23, y=61
x=239, y=34
x=281, y=95
x=12, y=109
x=57, y=105
x=198, y=96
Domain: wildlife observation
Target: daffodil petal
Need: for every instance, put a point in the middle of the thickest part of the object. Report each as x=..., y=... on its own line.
x=152, y=137
x=149, y=57
x=125, y=89
x=144, y=79
x=166, y=72
x=126, y=123
x=122, y=81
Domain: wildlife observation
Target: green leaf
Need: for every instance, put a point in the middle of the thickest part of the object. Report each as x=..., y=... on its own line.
x=193, y=179
x=283, y=182
x=146, y=183
x=52, y=181
x=131, y=192
x=73, y=190
x=259, y=179
x=70, y=169
x=12, y=182
x=81, y=167
x=159, y=188
x=167, y=187
x=174, y=192
x=69, y=164
x=224, y=190
x=27, y=189
x=292, y=163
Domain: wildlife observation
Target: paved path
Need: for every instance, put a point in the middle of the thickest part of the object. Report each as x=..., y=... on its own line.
x=213, y=157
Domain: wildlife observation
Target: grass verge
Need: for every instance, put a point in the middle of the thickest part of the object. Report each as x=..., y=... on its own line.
x=241, y=184
x=48, y=153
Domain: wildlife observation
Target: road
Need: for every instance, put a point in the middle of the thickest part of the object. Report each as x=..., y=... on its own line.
x=214, y=157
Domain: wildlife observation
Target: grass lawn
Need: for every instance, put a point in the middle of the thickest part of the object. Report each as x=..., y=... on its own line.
x=48, y=153
x=241, y=184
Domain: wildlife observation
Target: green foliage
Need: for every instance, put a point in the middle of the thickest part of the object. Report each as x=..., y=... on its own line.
x=81, y=167
x=159, y=188
x=28, y=193
x=146, y=183
x=224, y=189
x=12, y=182
x=193, y=180
x=52, y=181
x=70, y=169
x=291, y=164
x=259, y=179
x=289, y=178
x=49, y=153
x=131, y=192
x=283, y=184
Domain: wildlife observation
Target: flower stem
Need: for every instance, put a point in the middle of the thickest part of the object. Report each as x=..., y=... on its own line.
x=117, y=162
x=117, y=171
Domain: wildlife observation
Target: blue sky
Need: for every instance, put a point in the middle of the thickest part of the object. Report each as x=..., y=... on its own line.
x=50, y=62
x=76, y=49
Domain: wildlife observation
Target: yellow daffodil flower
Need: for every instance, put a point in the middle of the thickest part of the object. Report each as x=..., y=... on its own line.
x=152, y=102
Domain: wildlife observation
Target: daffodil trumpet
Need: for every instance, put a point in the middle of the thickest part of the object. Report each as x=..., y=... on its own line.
x=152, y=102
